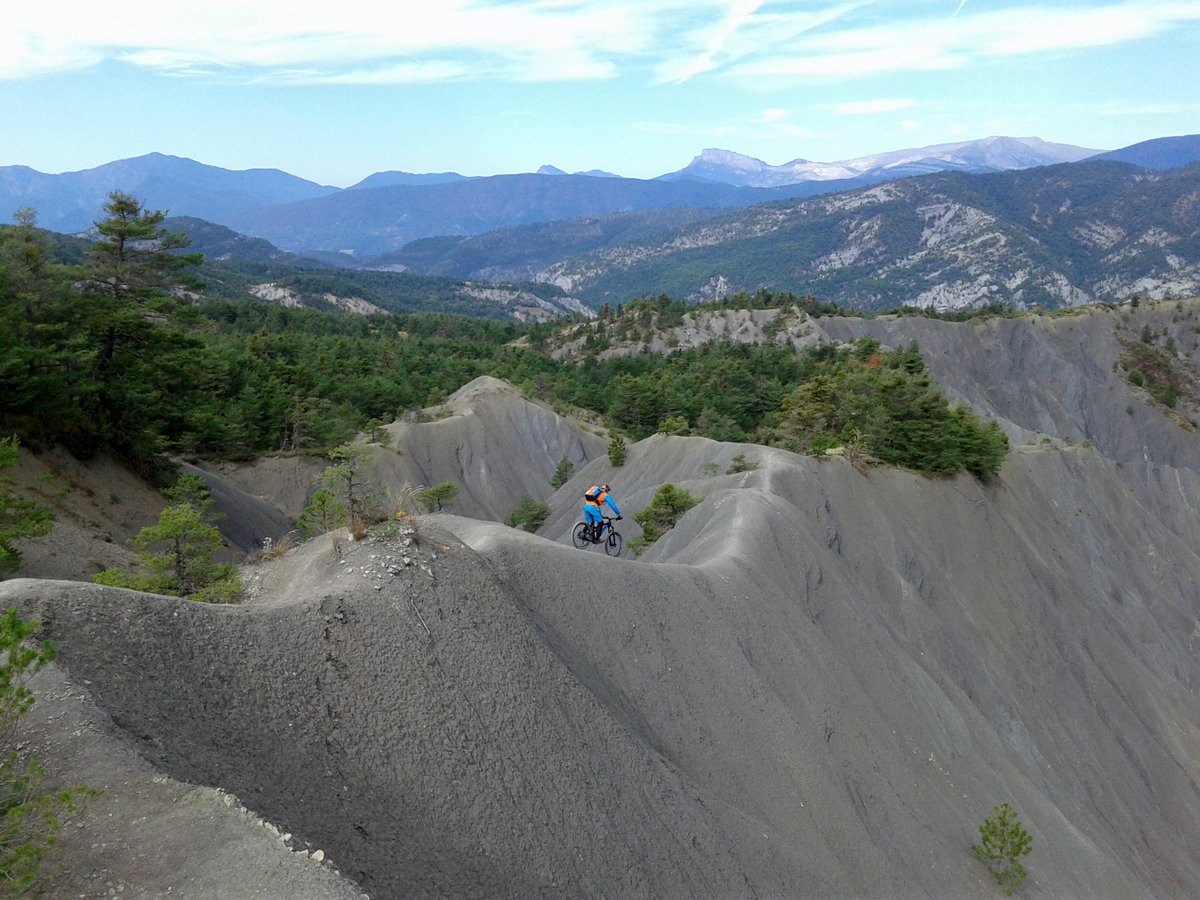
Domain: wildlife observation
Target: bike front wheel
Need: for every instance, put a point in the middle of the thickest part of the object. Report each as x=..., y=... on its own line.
x=579, y=537
x=614, y=543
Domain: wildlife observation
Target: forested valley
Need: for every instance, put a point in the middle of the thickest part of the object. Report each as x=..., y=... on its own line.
x=123, y=351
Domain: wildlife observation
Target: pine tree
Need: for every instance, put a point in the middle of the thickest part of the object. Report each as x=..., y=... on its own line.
x=562, y=473
x=323, y=512
x=37, y=355
x=139, y=359
x=616, y=450
x=176, y=555
x=352, y=485
x=439, y=494
x=1002, y=842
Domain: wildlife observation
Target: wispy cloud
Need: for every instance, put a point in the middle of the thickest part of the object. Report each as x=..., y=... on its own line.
x=776, y=123
x=431, y=72
x=748, y=28
x=362, y=41
x=715, y=40
x=349, y=40
x=968, y=35
x=665, y=41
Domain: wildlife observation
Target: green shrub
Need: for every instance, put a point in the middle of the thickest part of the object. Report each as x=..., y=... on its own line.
x=740, y=464
x=1002, y=842
x=529, y=514
x=1155, y=370
x=669, y=504
x=439, y=494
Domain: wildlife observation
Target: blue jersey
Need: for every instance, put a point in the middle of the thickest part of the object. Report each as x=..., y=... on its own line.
x=592, y=500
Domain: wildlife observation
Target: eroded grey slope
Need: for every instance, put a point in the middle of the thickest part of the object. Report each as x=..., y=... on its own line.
x=869, y=663
x=414, y=725
x=822, y=687
x=490, y=440
x=818, y=683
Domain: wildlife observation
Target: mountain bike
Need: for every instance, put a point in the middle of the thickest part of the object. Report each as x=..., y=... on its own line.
x=609, y=537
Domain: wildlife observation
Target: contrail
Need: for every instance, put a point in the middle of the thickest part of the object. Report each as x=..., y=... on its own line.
x=961, y=4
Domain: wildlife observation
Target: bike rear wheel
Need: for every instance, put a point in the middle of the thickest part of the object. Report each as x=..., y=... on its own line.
x=614, y=543
x=579, y=537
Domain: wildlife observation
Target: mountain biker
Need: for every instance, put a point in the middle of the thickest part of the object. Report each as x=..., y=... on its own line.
x=592, y=498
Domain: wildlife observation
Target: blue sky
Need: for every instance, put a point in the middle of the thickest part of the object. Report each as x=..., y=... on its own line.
x=334, y=91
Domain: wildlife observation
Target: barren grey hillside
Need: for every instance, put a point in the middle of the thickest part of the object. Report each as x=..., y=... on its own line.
x=817, y=684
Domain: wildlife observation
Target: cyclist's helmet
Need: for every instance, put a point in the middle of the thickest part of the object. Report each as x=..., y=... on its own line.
x=606, y=488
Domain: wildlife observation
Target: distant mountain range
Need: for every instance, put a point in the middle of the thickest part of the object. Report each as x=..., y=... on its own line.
x=71, y=202
x=994, y=222
x=1053, y=236
x=1160, y=154
x=369, y=222
x=993, y=154
x=387, y=210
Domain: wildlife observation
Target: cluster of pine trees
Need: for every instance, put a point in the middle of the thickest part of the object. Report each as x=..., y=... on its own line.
x=98, y=353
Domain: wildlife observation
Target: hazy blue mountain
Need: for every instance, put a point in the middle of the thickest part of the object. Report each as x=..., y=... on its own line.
x=220, y=244
x=991, y=154
x=72, y=201
x=391, y=178
x=591, y=173
x=374, y=221
x=245, y=269
x=1160, y=153
x=519, y=252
